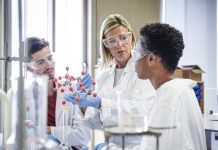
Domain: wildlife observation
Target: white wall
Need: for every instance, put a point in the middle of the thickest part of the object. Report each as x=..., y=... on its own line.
x=197, y=19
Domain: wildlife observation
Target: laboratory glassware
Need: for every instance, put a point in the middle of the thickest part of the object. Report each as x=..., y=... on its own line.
x=64, y=145
x=132, y=111
x=35, y=123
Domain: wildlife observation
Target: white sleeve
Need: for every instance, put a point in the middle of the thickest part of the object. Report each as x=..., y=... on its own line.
x=76, y=134
x=92, y=118
x=164, y=119
x=106, y=116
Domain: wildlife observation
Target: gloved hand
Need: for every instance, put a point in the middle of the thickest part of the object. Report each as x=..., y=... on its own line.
x=86, y=82
x=99, y=146
x=197, y=90
x=84, y=100
x=85, y=148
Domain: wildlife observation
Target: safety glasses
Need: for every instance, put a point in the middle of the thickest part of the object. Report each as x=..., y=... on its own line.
x=111, y=42
x=41, y=63
x=139, y=54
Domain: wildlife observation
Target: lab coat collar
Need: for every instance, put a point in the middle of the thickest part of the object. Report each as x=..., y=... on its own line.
x=127, y=69
x=187, y=82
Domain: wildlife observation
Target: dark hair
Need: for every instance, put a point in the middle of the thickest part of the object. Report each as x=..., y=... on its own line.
x=33, y=45
x=164, y=41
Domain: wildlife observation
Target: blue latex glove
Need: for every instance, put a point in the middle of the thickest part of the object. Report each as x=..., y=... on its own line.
x=99, y=146
x=86, y=81
x=85, y=148
x=85, y=100
x=51, y=137
x=197, y=90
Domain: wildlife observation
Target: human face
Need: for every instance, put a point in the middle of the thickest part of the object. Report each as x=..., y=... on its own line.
x=121, y=50
x=42, y=62
x=113, y=41
x=141, y=62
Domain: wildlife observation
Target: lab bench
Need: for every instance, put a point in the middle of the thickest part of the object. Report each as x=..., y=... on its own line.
x=211, y=130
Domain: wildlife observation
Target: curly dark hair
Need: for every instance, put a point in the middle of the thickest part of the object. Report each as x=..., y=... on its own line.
x=165, y=41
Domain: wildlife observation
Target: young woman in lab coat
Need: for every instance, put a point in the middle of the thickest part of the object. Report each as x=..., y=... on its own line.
x=175, y=113
x=42, y=63
x=116, y=43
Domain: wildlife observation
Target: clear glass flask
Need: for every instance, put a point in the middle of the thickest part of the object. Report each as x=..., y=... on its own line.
x=64, y=144
x=132, y=111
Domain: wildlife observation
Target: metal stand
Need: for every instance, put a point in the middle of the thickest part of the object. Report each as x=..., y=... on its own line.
x=109, y=133
x=9, y=59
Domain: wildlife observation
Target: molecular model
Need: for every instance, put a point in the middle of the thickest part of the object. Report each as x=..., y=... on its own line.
x=69, y=84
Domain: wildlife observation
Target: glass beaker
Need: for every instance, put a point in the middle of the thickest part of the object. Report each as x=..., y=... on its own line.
x=35, y=111
x=132, y=111
x=109, y=110
x=64, y=144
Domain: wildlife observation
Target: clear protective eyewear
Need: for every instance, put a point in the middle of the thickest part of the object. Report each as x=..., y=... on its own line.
x=139, y=54
x=111, y=42
x=41, y=63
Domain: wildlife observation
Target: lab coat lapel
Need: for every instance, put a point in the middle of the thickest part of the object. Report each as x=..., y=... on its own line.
x=110, y=78
x=124, y=80
x=128, y=68
x=106, y=83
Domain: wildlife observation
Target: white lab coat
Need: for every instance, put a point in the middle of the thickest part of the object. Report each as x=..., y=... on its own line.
x=76, y=132
x=128, y=82
x=176, y=105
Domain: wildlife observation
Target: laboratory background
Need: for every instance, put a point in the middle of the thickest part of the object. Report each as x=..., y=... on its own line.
x=72, y=28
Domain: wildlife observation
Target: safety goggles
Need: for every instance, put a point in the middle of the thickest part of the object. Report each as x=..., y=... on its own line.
x=111, y=42
x=41, y=63
x=139, y=54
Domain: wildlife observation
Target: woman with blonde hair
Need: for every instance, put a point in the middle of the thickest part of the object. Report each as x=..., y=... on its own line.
x=107, y=45
x=117, y=73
